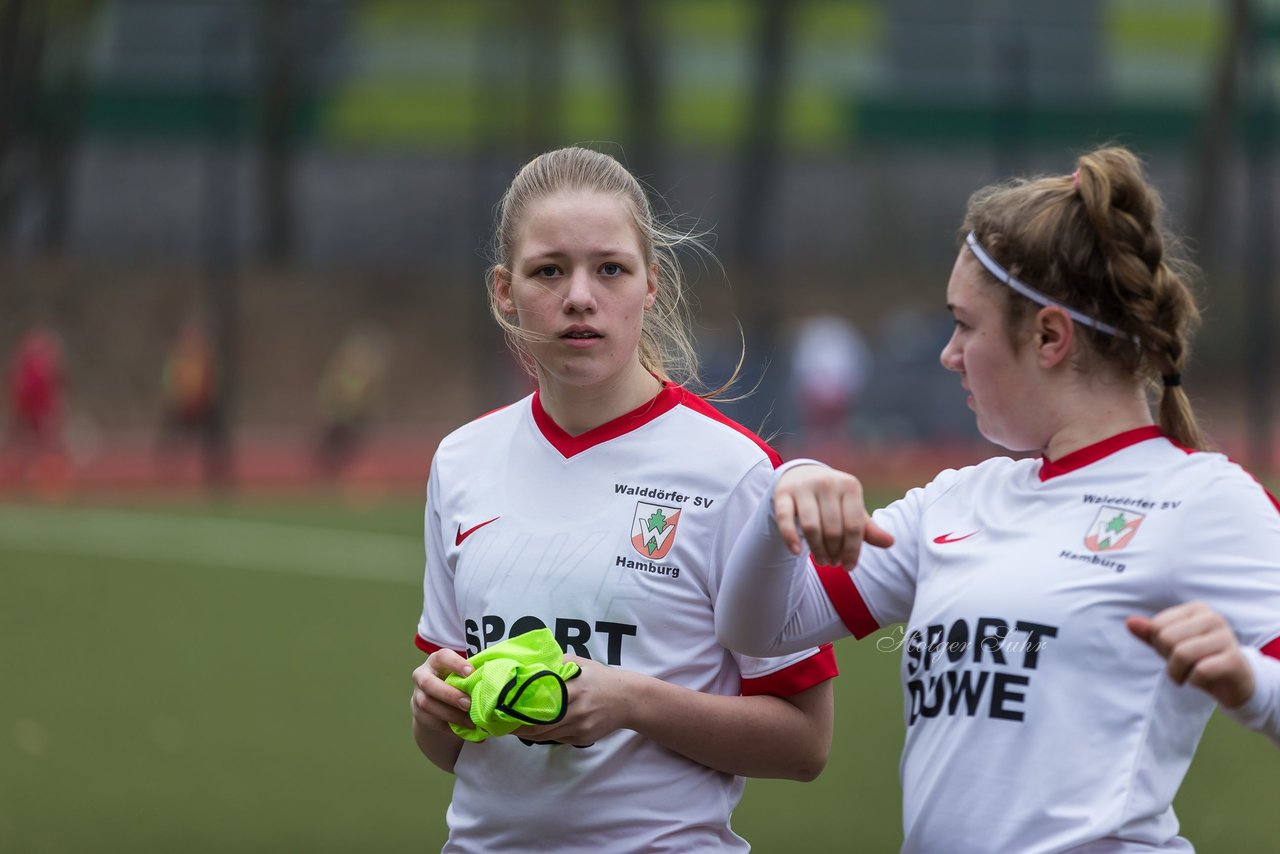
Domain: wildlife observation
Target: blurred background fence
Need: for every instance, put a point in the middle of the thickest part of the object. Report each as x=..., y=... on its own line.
x=302, y=191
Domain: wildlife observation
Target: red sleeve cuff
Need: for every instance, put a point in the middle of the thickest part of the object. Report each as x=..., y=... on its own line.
x=1272, y=649
x=428, y=647
x=795, y=678
x=847, y=601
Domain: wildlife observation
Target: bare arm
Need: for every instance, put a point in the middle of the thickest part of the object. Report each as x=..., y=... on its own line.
x=758, y=736
x=436, y=704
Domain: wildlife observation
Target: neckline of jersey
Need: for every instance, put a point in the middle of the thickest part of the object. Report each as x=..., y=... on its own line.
x=1098, y=450
x=570, y=446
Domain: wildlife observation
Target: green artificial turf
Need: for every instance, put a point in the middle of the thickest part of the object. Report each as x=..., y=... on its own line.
x=181, y=679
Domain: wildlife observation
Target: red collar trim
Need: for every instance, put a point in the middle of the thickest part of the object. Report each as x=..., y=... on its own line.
x=569, y=446
x=1092, y=453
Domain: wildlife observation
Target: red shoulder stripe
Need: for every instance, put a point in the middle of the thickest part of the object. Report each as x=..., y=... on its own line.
x=699, y=405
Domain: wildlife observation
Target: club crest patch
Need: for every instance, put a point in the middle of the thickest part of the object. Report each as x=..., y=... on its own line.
x=1112, y=529
x=653, y=531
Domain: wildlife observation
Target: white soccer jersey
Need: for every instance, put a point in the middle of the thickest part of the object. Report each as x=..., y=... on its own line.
x=615, y=540
x=1035, y=721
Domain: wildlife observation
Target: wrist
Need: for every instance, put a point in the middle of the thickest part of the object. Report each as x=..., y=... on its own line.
x=1256, y=703
x=637, y=696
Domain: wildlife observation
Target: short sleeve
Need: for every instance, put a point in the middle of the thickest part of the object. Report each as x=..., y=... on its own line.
x=440, y=625
x=789, y=674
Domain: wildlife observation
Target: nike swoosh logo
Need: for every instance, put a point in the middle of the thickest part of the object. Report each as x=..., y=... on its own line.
x=943, y=539
x=462, y=535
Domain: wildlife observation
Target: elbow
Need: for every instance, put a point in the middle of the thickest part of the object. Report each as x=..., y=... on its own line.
x=744, y=646
x=733, y=638
x=810, y=764
x=811, y=740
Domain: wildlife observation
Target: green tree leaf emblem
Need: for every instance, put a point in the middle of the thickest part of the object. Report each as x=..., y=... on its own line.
x=657, y=521
x=1116, y=525
x=652, y=545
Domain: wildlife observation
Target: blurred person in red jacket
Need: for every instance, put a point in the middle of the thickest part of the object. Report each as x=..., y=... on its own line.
x=37, y=378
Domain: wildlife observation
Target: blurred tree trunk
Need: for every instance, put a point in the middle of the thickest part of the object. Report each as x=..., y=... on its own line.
x=757, y=244
x=10, y=39
x=543, y=44
x=218, y=221
x=1013, y=142
x=279, y=95
x=43, y=49
x=1260, y=141
x=1218, y=131
x=59, y=125
x=21, y=38
x=641, y=110
x=759, y=163
x=496, y=150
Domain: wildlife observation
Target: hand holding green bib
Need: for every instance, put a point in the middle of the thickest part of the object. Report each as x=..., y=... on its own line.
x=517, y=682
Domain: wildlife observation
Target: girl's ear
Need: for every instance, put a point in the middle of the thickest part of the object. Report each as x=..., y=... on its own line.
x=652, y=295
x=502, y=290
x=1054, y=331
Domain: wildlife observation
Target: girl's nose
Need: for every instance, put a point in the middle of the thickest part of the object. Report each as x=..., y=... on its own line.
x=579, y=295
x=950, y=355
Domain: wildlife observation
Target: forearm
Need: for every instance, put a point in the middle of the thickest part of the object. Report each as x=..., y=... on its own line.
x=759, y=736
x=1262, y=712
x=770, y=601
x=441, y=747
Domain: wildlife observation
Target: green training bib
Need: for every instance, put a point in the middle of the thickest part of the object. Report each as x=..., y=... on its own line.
x=516, y=682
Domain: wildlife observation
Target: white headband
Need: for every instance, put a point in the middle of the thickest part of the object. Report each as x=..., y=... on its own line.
x=994, y=268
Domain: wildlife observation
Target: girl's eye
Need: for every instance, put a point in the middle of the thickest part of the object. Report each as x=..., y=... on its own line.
x=546, y=272
x=611, y=269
